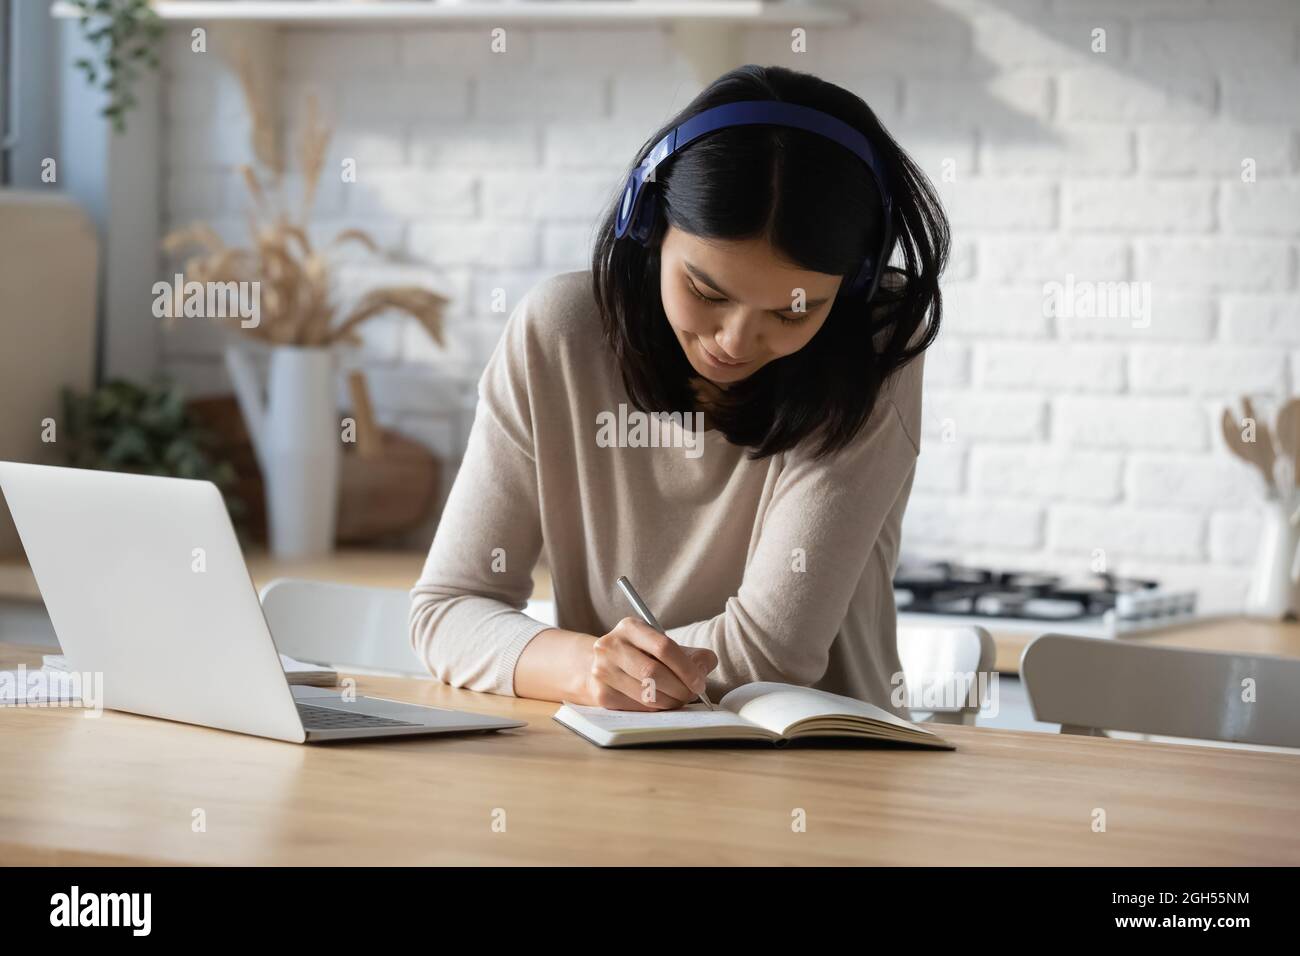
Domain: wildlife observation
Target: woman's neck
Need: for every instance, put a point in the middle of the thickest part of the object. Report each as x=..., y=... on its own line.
x=706, y=395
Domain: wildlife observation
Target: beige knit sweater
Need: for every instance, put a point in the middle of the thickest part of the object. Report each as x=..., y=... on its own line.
x=782, y=566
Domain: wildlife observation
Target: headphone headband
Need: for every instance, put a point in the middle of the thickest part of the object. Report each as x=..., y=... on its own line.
x=636, y=214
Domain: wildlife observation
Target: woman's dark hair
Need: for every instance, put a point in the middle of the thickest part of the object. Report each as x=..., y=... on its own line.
x=815, y=203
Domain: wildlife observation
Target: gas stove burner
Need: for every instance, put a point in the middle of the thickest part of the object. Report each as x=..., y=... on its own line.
x=1053, y=609
x=1000, y=602
x=1105, y=581
x=1026, y=581
x=947, y=588
x=928, y=579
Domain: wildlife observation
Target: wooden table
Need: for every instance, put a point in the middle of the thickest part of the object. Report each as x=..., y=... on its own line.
x=123, y=789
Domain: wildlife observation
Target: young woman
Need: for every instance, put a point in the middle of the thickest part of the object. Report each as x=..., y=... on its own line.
x=758, y=515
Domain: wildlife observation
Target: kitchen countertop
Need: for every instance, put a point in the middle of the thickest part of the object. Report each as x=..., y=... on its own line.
x=399, y=569
x=1233, y=633
x=365, y=567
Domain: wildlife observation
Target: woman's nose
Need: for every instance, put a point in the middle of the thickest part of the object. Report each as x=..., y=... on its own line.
x=738, y=335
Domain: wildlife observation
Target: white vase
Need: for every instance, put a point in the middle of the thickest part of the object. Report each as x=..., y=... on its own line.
x=1274, y=591
x=295, y=432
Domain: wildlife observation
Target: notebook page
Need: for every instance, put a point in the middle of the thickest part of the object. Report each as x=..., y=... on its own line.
x=19, y=688
x=292, y=666
x=777, y=706
x=632, y=721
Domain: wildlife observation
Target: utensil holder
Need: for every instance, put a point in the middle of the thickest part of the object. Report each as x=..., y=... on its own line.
x=1275, y=592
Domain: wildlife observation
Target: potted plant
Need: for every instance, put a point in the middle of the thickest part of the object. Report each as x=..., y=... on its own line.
x=125, y=36
x=145, y=429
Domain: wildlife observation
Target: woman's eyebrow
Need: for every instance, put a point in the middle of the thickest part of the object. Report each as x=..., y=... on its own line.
x=708, y=280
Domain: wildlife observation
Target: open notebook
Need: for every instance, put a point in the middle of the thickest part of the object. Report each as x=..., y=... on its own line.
x=760, y=711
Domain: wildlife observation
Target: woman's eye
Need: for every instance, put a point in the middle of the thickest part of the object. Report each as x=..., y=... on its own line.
x=791, y=319
x=701, y=296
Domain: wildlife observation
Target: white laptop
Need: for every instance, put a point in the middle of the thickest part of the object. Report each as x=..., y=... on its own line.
x=145, y=584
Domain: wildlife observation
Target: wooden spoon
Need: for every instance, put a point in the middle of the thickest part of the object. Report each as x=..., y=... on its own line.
x=1264, y=451
x=1259, y=452
x=1287, y=429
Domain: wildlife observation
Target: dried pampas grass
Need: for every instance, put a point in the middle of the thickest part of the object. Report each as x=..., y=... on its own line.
x=296, y=300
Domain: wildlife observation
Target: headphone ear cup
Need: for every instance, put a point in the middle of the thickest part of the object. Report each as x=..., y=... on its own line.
x=859, y=281
x=626, y=207
x=875, y=270
x=646, y=215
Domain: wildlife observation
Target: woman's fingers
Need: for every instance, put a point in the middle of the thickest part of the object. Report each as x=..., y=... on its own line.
x=705, y=659
x=688, y=670
x=647, y=672
x=608, y=669
x=636, y=667
x=605, y=696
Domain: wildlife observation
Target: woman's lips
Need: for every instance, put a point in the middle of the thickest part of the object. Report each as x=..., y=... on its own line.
x=720, y=363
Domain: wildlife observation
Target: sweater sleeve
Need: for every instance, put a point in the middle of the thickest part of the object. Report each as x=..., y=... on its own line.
x=467, y=624
x=823, y=523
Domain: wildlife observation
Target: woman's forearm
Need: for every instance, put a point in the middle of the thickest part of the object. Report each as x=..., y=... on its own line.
x=555, y=665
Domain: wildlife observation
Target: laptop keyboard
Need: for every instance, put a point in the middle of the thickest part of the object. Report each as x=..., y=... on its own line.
x=326, y=718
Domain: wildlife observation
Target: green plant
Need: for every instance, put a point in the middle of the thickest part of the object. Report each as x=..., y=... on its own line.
x=123, y=33
x=121, y=426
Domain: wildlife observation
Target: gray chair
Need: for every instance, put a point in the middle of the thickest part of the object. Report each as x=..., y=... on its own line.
x=945, y=663
x=1090, y=685
x=350, y=627
x=361, y=628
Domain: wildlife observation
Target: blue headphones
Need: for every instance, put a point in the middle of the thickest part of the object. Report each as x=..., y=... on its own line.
x=637, y=211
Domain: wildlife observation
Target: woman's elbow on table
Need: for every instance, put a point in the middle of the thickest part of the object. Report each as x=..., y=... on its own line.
x=427, y=620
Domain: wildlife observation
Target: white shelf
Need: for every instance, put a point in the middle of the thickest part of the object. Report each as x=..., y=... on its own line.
x=536, y=11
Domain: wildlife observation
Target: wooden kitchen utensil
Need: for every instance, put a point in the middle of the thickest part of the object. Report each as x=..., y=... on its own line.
x=1274, y=592
x=370, y=442
x=388, y=483
x=1266, y=453
x=1258, y=452
x=1232, y=438
x=1287, y=430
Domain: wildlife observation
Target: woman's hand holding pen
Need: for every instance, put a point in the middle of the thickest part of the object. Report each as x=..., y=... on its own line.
x=635, y=667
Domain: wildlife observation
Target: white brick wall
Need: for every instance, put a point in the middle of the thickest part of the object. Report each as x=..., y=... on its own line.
x=1047, y=436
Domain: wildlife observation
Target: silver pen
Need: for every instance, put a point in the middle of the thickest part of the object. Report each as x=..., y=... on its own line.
x=634, y=599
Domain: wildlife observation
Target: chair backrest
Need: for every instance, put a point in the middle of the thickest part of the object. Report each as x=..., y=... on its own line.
x=1086, y=684
x=341, y=624
x=942, y=666
x=349, y=626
